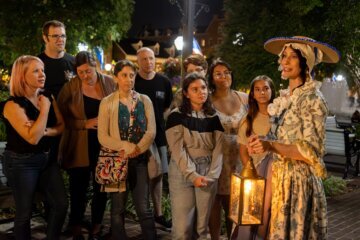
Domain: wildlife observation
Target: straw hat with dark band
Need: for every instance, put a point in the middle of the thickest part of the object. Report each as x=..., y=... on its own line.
x=275, y=46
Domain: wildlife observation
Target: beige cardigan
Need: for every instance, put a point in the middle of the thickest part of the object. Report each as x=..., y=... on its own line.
x=108, y=128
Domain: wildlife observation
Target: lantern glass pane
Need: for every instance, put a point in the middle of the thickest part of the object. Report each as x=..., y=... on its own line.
x=235, y=198
x=253, y=201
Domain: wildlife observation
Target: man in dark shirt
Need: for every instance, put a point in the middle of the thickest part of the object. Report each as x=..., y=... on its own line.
x=158, y=88
x=59, y=69
x=59, y=65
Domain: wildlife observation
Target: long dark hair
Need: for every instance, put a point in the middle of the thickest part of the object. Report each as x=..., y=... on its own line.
x=303, y=66
x=185, y=106
x=216, y=63
x=253, y=105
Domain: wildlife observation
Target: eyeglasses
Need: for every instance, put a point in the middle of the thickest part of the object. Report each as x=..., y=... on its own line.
x=56, y=36
x=219, y=75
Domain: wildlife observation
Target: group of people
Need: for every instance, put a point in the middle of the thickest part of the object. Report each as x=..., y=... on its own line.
x=62, y=109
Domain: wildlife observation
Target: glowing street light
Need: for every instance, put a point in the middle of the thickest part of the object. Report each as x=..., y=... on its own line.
x=179, y=43
x=108, y=67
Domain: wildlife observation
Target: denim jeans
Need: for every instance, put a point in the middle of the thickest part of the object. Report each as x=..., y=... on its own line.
x=190, y=206
x=138, y=184
x=26, y=173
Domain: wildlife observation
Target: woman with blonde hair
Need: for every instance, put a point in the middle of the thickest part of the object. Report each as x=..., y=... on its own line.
x=32, y=117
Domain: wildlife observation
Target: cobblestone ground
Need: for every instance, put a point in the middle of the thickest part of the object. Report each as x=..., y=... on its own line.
x=343, y=214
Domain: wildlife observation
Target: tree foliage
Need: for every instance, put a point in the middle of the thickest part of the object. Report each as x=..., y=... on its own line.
x=343, y=27
x=250, y=23
x=93, y=22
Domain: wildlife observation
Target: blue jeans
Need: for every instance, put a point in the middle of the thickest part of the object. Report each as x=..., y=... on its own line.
x=26, y=173
x=138, y=184
x=190, y=206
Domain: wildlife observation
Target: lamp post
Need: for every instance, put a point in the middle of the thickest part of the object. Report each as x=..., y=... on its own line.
x=247, y=196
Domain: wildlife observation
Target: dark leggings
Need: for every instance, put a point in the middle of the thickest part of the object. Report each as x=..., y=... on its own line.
x=79, y=179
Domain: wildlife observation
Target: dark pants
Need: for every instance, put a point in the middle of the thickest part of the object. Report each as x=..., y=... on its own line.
x=79, y=179
x=26, y=172
x=138, y=184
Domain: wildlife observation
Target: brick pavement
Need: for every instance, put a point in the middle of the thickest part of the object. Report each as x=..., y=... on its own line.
x=343, y=215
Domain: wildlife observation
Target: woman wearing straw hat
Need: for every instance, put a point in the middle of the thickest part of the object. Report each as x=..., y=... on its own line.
x=298, y=208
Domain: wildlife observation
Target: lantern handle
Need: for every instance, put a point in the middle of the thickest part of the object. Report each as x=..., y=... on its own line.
x=249, y=170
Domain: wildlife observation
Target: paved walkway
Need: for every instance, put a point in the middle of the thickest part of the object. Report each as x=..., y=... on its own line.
x=343, y=214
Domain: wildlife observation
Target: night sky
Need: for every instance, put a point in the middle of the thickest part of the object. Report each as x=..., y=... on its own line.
x=162, y=14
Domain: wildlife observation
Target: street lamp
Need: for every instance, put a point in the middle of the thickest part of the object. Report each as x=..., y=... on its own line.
x=179, y=44
x=108, y=67
x=247, y=196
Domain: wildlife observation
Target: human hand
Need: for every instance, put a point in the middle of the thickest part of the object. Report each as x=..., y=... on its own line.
x=43, y=103
x=135, y=153
x=257, y=146
x=91, y=123
x=201, y=181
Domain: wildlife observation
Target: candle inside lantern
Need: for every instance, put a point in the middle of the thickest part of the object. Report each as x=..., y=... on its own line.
x=247, y=192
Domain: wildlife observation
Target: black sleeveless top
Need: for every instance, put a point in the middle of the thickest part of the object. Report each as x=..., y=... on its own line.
x=15, y=142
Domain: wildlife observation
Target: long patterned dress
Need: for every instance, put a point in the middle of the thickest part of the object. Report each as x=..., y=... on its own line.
x=298, y=208
x=231, y=158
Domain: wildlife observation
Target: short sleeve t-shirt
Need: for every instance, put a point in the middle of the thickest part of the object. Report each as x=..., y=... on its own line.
x=58, y=71
x=159, y=91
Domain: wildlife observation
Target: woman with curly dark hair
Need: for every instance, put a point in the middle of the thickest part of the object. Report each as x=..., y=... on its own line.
x=231, y=107
x=194, y=135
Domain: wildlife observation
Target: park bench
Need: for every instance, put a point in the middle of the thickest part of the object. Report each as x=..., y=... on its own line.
x=340, y=140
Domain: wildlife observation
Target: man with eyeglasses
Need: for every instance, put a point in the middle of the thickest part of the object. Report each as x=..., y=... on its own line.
x=59, y=69
x=193, y=63
x=59, y=65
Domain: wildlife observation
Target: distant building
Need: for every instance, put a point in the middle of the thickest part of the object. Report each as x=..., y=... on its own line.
x=162, y=42
x=127, y=48
x=208, y=37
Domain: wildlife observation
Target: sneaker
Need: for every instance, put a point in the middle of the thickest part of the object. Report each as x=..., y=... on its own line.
x=162, y=221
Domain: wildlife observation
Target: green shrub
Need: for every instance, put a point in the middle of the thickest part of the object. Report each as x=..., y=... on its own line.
x=2, y=131
x=334, y=186
x=4, y=95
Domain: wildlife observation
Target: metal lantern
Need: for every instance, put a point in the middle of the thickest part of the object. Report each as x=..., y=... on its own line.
x=247, y=196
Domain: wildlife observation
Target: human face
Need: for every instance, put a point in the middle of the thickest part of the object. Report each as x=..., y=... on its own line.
x=222, y=77
x=35, y=76
x=126, y=78
x=197, y=93
x=262, y=92
x=87, y=73
x=195, y=68
x=56, y=39
x=146, y=61
x=290, y=64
